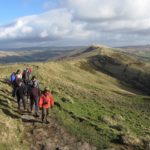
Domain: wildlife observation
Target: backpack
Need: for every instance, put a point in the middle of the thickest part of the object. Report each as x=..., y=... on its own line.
x=12, y=77
x=24, y=89
x=25, y=75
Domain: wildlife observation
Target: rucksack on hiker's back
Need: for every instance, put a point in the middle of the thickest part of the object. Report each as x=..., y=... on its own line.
x=24, y=89
x=12, y=77
x=25, y=75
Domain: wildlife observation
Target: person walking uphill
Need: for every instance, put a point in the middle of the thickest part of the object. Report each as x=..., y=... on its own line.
x=34, y=80
x=26, y=75
x=17, y=77
x=46, y=101
x=34, y=93
x=21, y=92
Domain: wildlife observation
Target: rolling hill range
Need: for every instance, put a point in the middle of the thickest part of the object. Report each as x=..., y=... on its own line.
x=33, y=54
x=141, y=51
x=101, y=97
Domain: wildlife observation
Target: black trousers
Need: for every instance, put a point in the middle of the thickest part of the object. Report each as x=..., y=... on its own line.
x=32, y=102
x=45, y=113
x=23, y=98
x=14, y=90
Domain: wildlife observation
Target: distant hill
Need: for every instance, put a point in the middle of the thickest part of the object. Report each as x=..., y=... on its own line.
x=33, y=54
x=142, y=51
x=118, y=64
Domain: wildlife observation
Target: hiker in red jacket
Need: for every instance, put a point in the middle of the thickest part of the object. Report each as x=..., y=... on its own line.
x=46, y=101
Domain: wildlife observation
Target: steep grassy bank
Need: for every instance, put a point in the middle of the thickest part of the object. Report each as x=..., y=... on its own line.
x=11, y=127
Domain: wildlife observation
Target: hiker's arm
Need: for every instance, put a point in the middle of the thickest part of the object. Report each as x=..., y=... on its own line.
x=40, y=102
x=39, y=92
x=51, y=100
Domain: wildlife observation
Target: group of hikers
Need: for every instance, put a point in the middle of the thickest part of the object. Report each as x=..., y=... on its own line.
x=26, y=89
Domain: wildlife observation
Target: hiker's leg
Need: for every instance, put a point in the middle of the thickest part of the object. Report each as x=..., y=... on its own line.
x=28, y=97
x=28, y=103
x=18, y=101
x=31, y=104
x=24, y=102
x=14, y=91
x=36, y=105
x=47, y=113
x=43, y=114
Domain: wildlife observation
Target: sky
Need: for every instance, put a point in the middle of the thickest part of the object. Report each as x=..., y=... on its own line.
x=27, y=23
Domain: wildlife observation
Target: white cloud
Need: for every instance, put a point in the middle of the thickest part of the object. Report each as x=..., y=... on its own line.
x=109, y=9
x=110, y=18
x=80, y=22
x=53, y=25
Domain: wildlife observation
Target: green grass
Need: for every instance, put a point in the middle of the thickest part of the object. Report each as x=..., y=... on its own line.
x=95, y=95
x=11, y=127
x=93, y=106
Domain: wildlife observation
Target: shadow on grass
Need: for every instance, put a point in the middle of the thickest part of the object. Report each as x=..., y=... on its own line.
x=7, y=97
x=5, y=81
x=10, y=114
x=3, y=103
x=123, y=94
x=5, y=91
x=31, y=120
x=147, y=99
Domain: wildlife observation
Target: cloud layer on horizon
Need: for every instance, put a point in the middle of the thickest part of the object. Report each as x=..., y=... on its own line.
x=81, y=22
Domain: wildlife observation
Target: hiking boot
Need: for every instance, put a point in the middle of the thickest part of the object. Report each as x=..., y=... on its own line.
x=19, y=111
x=47, y=122
x=43, y=121
x=25, y=110
x=30, y=111
x=37, y=115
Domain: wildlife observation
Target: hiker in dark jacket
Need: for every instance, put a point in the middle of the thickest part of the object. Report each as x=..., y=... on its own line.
x=21, y=92
x=34, y=93
x=18, y=78
x=34, y=80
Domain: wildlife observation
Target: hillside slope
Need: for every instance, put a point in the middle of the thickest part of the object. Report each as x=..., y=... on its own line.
x=93, y=105
x=142, y=51
x=118, y=64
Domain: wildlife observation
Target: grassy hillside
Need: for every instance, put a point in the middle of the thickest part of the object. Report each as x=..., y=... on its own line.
x=91, y=103
x=11, y=127
x=117, y=64
x=141, y=51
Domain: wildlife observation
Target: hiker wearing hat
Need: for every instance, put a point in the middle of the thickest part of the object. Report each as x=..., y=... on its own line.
x=46, y=101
